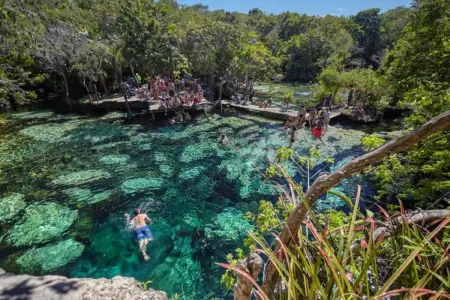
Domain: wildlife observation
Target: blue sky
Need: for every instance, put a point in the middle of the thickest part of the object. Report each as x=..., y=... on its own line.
x=310, y=7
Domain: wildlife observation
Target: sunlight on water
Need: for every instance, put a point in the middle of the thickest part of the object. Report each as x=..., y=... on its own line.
x=66, y=182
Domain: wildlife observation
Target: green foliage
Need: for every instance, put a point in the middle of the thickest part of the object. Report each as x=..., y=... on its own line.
x=372, y=142
x=284, y=154
x=368, y=87
x=417, y=70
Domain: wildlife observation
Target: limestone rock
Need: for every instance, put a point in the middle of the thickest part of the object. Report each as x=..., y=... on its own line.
x=15, y=287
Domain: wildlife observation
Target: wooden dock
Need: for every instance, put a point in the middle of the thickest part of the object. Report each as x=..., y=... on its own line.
x=141, y=107
x=270, y=112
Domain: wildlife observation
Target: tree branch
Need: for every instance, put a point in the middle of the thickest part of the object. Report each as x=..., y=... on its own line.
x=392, y=226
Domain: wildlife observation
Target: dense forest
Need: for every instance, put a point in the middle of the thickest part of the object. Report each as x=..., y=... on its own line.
x=66, y=47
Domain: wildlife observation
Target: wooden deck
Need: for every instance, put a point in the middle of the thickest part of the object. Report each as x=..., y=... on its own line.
x=270, y=112
x=143, y=107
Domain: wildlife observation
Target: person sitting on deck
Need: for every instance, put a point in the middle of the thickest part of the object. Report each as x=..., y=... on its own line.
x=196, y=99
x=162, y=103
x=143, y=233
x=224, y=140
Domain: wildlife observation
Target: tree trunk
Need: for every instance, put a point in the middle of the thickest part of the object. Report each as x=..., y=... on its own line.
x=220, y=93
x=323, y=183
x=83, y=82
x=251, y=265
x=66, y=91
x=103, y=83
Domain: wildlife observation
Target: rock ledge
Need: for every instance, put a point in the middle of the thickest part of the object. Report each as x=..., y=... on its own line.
x=15, y=287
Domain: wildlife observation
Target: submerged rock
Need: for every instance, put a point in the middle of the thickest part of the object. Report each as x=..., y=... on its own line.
x=85, y=196
x=191, y=173
x=11, y=206
x=140, y=184
x=41, y=224
x=51, y=257
x=115, y=159
x=227, y=226
x=81, y=177
x=166, y=170
x=177, y=272
x=62, y=288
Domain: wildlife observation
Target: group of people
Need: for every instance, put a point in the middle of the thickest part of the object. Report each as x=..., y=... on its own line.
x=170, y=94
x=318, y=122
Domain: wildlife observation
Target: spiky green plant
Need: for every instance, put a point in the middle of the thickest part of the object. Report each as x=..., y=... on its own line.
x=354, y=262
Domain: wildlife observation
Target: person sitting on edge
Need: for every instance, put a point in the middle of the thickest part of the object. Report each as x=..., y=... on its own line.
x=196, y=99
x=143, y=233
x=224, y=140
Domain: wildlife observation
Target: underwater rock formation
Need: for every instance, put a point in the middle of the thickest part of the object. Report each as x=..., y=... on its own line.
x=115, y=159
x=81, y=177
x=10, y=206
x=227, y=226
x=51, y=257
x=61, y=288
x=140, y=184
x=85, y=196
x=41, y=224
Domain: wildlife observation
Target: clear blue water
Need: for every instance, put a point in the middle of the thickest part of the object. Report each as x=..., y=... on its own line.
x=66, y=182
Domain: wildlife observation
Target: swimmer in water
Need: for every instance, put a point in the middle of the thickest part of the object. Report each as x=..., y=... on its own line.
x=143, y=233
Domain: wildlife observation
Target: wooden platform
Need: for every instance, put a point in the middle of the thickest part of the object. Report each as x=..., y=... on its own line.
x=152, y=108
x=270, y=112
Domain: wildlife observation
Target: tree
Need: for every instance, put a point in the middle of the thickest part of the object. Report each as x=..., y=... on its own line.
x=59, y=52
x=417, y=70
x=369, y=38
x=19, y=27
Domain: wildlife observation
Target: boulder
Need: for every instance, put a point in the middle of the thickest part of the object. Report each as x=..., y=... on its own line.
x=15, y=287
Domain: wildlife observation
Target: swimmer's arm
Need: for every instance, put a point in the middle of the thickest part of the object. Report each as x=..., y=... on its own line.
x=127, y=219
x=147, y=219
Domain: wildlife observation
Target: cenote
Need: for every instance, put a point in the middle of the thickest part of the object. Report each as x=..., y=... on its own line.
x=67, y=180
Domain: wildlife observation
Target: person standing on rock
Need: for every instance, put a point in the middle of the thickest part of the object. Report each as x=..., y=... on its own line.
x=143, y=233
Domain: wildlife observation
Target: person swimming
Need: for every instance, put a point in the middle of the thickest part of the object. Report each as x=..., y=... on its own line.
x=143, y=233
x=224, y=140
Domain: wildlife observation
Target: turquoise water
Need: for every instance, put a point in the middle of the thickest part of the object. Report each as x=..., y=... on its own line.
x=66, y=182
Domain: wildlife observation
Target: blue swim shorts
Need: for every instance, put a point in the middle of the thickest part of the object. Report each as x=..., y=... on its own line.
x=143, y=233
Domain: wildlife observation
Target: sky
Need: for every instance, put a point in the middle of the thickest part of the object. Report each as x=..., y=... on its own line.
x=309, y=7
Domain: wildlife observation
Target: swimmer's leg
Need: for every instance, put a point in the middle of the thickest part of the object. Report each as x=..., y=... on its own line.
x=142, y=248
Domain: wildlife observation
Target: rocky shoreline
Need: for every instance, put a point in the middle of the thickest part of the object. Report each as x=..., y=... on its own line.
x=15, y=287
